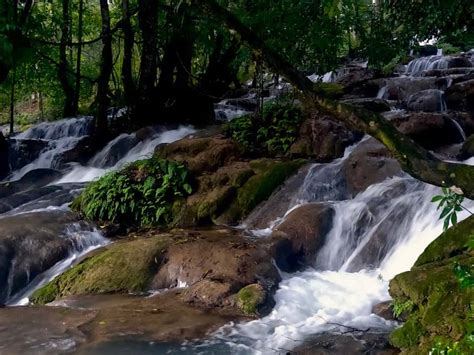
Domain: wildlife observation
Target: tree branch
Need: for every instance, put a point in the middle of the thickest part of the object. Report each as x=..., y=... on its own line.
x=414, y=159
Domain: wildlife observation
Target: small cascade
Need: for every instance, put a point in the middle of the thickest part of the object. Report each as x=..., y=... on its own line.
x=329, y=77
x=84, y=240
x=59, y=136
x=103, y=162
x=417, y=66
x=456, y=124
x=376, y=235
x=69, y=127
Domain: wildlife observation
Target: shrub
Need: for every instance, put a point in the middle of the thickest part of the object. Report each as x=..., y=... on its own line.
x=272, y=133
x=141, y=194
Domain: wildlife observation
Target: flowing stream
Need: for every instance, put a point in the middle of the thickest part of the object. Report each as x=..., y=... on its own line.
x=60, y=137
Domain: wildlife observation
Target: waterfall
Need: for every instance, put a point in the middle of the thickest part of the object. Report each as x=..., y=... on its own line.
x=83, y=241
x=69, y=127
x=376, y=235
x=419, y=65
x=98, y=165
x=459, y=128
x=60, y=136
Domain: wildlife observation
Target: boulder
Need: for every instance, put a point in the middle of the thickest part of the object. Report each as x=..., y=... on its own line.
x=300, y=236
x=26, y=250
x=427, y=50
x=431, y=100
x=459, y=62
x=24, y=151
x=384, y=310
x=353, y=74
x=84, y=150
x=323, y=139
x=460, y=96
x=201, y=155
x=33, y=179
x=214, y=264
x=430, y=129
x=4, y=161
x=369, y=163
x=438, y=307
x=467, y=150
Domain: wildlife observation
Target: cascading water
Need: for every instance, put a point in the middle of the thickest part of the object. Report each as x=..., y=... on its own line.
x=83, y=241
x=98, y=165
x=81, y=238
x=417, y=66
x=374, y=236
x=60, y=136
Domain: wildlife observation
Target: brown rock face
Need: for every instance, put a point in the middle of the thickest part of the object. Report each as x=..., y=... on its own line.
x=461, y=96
x=431, y=129
x=201, y=154
x=301, y=235
x=383, y=310
x=26, y=250
x=323, y=139
x=368, y=164
x=221, y=256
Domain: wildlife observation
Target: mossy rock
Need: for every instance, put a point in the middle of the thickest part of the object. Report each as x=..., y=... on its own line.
x=126, y=267
x=269, y=175
x=250, y=298
x=408, y=335
x=450, y=243
x=442, y=309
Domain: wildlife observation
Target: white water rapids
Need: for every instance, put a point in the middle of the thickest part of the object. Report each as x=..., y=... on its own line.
x=64, y=135
x=375, y=236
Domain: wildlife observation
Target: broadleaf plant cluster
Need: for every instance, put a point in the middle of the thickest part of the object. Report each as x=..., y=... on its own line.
x=272, y=132
x=141, y=194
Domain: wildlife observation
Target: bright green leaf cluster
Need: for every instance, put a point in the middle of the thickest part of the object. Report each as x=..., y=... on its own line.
x=400, y=307
x=273, y=133
x=140, y=194
x=451, y=202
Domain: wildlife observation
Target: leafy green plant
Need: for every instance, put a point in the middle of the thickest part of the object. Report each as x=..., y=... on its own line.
x=142, y=193
x=443, y=348
x=400, y=307
x=451, y=202
x=272, y=133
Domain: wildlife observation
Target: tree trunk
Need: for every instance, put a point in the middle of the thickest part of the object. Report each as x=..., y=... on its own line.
x=127, y=78
x=414, y=159
x=77, y=89
x=63, y=71
x=147, y=20
x=102, y=99
x=184, y=50
x=12, y=103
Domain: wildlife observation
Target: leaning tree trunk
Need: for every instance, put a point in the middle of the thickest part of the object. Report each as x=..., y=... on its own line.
x=102, y=99
x=63, y=70
x=414, y=159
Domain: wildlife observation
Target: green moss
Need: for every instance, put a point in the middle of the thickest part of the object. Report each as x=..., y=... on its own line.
x=249, y=298
x=121, y=267
x=441, y=308
x=450, y=243
x=408, y=335
x=269, y=176
x=330, y=90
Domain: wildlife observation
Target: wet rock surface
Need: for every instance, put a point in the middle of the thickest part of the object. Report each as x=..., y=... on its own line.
x=215, y=264
x=369, y=163
x=297, y=240
x=20, y=239
x=323, y=139
x=90, y=321
x=353, y=343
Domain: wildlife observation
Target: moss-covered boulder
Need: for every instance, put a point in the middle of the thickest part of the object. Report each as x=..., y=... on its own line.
x=122, y=267
x=441, y=311
x=250, y=298
x=213, y=264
